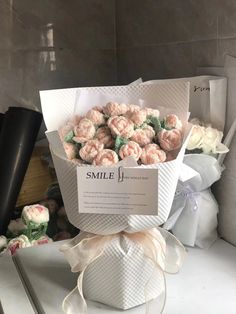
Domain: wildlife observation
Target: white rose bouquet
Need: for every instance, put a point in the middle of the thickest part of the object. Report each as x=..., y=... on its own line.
x=193, y=217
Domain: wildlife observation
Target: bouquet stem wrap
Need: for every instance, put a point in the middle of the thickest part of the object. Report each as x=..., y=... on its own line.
x=158, y=246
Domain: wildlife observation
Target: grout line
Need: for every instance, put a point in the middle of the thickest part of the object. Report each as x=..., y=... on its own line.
x=175, y=42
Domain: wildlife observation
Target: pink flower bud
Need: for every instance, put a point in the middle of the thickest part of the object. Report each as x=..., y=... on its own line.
x=84, y=131
x=130, y=149
x=106, y=157
x=152, y=154
x=143, y=136
x=170, y=139
x=121, y=126
x=90, y=150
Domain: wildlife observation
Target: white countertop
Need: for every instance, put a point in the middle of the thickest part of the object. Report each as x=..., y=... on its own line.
x=205, y=285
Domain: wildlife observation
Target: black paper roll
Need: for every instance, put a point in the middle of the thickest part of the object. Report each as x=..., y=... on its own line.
x=1, y=120
x=17, y=138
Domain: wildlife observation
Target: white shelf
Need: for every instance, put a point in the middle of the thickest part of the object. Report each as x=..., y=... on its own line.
x=205, y=285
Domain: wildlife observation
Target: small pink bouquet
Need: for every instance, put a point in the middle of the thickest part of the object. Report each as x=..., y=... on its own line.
x=106, y=135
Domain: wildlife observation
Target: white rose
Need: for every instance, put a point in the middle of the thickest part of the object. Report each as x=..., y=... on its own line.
x=35, y=213
x=3, y=242
x=196, y=138
x=17, y=243
x=211, y=140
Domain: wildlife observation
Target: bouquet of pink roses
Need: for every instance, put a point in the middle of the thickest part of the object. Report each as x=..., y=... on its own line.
x=106, y=135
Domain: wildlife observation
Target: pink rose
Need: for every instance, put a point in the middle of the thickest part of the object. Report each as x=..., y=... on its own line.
x=96, y=117
x=121, y=126
x=115, y=109
x=106, y=157
x=103, y=134
x=143, y=136
x=130, y=149
x=90, y=150
x=84, y=131
x=170, y=139
x=173, y=122
x=70, y=150
x=152, y=154
x=137, y=116
x=42, y=240
x=63, y=131
x=152, y=112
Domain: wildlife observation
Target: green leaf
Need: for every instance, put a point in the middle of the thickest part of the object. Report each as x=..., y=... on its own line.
x=69, y=137
x=119, y=142
x=155, y=123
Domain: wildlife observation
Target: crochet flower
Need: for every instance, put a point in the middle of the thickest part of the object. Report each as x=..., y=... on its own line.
x=96, y=117
x=173, y=122
x=84, y=131
x=130, y=149
x=104, y=136
x=152, y=112
x=37, y=214
x=121, y=126
x=106, y=157
x=115, y=109
x=70, y=150
x=17, y=243
x=152, y=154
x=143, y=136
x=138, y=117
x=90, y=150
x=170, y=139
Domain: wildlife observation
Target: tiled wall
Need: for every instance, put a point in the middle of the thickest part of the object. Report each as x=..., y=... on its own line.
x=56, y=43
x=171, y=38
x=48, y=44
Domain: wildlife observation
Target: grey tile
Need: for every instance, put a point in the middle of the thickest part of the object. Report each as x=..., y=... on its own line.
x=227, y=47
x=206, y=53
x=166, y=61
x=227, y=20
x=75, y=24
x=153, y=22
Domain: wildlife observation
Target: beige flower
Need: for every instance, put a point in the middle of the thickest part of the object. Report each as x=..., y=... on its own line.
x=115, y=109
x=103, y=134
x=84, y=131
x=90, y=150
x=121, y=126
x=138, y=117
x=196, y=138
x=130, y=149
x=173, y=122
x=96, y=117
x=152, y=154
x=152, y=112
x=106, y=157
x=143, y=136
x=170, y=139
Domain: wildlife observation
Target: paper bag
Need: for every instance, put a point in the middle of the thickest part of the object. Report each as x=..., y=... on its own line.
x=207, y=98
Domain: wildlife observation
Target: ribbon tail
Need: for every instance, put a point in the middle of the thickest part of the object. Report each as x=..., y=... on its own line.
x=74, y=302
x=175, y=252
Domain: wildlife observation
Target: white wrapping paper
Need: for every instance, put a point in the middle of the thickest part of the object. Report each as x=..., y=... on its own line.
x=168, y=95
x=122, y=270
x=193, y=217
